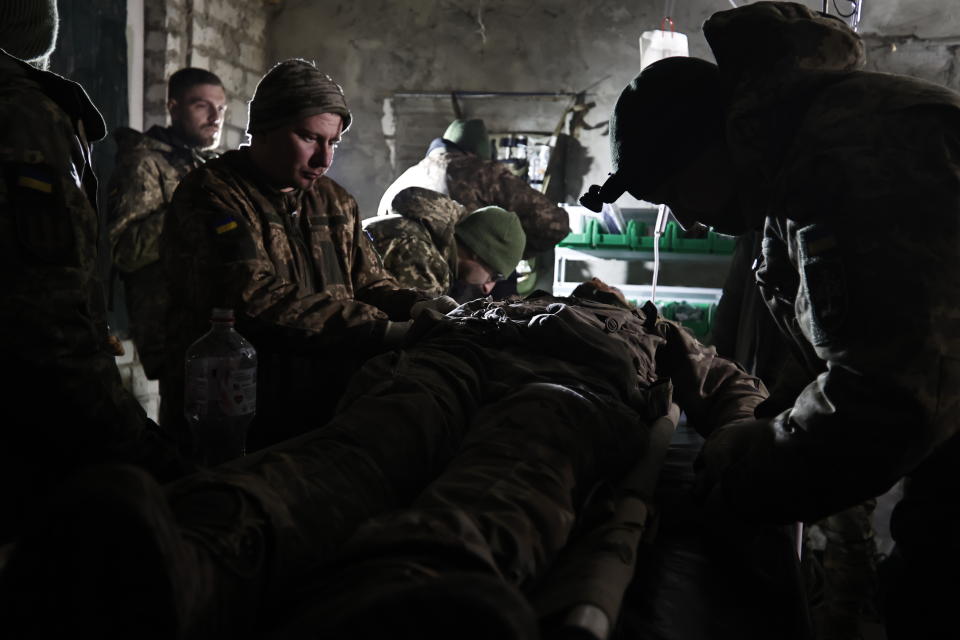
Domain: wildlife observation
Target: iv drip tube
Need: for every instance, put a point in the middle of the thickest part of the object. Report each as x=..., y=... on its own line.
x=662, y=215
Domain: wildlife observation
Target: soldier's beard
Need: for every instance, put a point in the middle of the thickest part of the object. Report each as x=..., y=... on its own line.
x=197, y=138
x=211, y=142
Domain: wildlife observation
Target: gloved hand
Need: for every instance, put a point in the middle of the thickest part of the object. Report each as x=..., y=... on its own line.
x=441, y=304
x=726, y=446
x=395, y=332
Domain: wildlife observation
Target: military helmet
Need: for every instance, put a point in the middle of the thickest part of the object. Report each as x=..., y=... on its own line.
x=663, y=119
x=469, y=135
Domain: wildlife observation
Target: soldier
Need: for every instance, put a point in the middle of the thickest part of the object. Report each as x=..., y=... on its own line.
x=149, y=167
x=261, y=230
x=466, y=455
x=855, y=179
x=430, y=243
x=64, y=405
x=458, y=165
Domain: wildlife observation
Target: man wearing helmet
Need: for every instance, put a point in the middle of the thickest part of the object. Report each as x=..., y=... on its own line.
x=791, y=137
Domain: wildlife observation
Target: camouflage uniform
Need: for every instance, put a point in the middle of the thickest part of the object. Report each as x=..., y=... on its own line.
x=306, y=285
x=473, y=448
x=416, y=241
x=476, y=183
x=64, y=405
x=149, y=167
x=859, y=174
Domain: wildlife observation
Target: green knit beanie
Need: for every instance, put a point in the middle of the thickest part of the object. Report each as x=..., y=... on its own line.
x=28, y=29
x=495, y=235
x=469, y=135
x=294, y=89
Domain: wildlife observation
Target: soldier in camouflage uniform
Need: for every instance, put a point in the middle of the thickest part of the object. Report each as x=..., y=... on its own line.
x=262, y=231
x=436, y=245
x=64, y=405
x=467, y=455
x=458, y=165
x=855, y=179
x=149, y=167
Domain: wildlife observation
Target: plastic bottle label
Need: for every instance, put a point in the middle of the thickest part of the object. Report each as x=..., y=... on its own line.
x=221, y=386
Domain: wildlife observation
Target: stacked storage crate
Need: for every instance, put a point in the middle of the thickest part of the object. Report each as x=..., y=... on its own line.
x=707, y=258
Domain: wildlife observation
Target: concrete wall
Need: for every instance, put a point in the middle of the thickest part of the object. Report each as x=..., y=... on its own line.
x=377, y=47
x=920, y=39
x=228, y=37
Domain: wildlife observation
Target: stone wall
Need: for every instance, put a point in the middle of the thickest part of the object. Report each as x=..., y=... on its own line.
x=228, y=37
x=920, y=39
x=375, y=48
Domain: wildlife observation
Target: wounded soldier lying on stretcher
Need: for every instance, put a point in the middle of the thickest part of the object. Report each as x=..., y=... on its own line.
x=444, y=488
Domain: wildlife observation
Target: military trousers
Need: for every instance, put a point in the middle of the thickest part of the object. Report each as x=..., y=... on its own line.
x=458, y=446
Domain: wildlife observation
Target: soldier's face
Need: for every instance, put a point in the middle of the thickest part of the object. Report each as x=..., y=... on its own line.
x=298, y=154
x=477, y=274
x=704, y=191
x=198, y=114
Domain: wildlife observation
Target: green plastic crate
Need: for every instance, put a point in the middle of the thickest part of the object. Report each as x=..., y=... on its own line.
x=613, y=240
x=634, y=238
x=721, y=243
x=696, y=316
x=645, y=242
x=585, y=239
x=686, y=245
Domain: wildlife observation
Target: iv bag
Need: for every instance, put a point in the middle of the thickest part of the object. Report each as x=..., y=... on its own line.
x=659, y=44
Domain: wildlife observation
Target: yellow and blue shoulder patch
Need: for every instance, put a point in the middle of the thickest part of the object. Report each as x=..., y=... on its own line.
x=36, y=178
x=226, y=224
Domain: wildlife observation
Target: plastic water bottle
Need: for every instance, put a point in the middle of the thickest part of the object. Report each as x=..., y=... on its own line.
x=220, y=393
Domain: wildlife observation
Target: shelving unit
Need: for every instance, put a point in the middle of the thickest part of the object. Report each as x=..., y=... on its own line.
x=686, y=302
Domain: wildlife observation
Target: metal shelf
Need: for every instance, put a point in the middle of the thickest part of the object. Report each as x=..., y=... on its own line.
x=569, y=253
x=638, y=292
x=642, y=292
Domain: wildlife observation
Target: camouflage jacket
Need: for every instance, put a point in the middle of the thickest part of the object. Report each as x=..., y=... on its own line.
x=416, y=241
x=859, y=174
x=456, y=378
x=476, y=183
x=295, y=266
x=608, y=345
x=52, y=307
x=149, y=167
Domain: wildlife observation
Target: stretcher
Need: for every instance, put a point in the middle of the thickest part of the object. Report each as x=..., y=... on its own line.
x=656, y=568
x=582, y=594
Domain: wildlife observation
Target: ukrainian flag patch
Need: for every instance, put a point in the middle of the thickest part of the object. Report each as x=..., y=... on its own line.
x=227, y=224
x=35, y=178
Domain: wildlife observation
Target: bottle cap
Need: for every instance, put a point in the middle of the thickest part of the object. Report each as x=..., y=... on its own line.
x=221, y=315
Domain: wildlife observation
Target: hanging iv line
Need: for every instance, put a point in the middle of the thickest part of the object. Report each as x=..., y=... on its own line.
x=663, y=213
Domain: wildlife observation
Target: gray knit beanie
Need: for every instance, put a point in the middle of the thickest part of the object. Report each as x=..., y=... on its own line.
x=291, y=90
x=28, y=29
